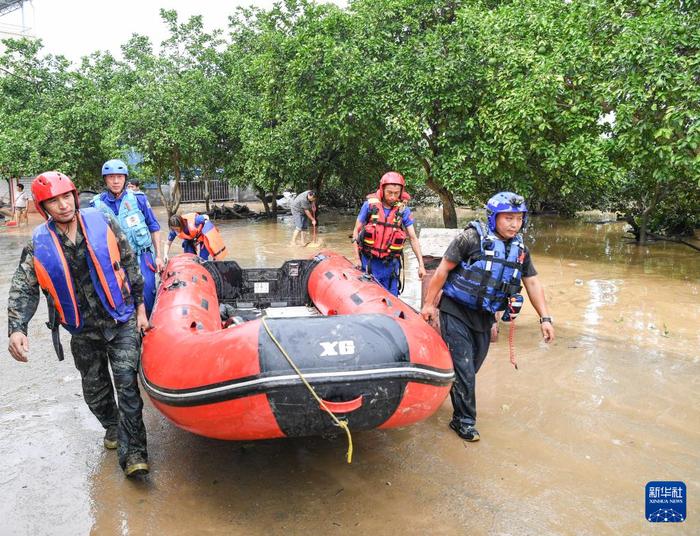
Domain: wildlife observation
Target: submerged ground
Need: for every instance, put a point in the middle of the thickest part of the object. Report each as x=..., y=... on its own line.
x=568, y=441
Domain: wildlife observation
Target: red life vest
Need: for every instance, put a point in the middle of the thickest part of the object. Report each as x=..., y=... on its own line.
x=383, y=236
x=108, y=277
x=206, y=233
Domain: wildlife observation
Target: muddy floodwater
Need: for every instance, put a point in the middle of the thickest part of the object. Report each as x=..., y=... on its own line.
x=568, y=441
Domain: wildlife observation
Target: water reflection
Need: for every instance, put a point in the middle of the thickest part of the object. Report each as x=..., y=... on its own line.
x=602, y=292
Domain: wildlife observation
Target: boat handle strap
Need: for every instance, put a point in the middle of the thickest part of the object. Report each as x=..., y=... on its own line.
x=343, y=407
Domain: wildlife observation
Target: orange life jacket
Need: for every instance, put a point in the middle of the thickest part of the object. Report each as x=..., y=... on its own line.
x=104, y=263
x=383, y=236
x=207, y=234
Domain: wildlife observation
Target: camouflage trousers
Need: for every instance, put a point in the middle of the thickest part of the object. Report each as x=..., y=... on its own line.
x=120, y=347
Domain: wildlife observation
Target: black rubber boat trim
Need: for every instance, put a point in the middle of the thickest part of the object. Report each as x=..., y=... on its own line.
x=252, y=385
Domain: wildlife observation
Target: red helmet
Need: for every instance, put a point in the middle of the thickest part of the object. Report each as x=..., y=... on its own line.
x=50, y=184
x=392, y=177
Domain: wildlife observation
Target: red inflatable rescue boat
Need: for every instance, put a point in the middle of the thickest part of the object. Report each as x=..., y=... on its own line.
x=369, y=356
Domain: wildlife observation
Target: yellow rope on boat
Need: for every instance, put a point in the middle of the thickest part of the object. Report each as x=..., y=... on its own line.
x=340, y=423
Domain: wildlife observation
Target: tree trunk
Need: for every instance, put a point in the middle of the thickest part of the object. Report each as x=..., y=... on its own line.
x=260, y=193
x=207, y=195
x=629, y=218
x=318, y=183
x=11, y=189
x=275, y=189
x=175, y=198
x=449, y=212
x=273, y=203
x=643, y=221
x=646, y=214
x=322, y=165
x=175, y=195
x=172, y=201
x=167, y=200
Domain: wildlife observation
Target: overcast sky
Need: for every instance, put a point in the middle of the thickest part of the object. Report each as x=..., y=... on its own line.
x=75, y=28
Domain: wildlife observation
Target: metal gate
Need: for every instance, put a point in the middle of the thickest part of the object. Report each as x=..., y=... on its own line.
x=193, y=191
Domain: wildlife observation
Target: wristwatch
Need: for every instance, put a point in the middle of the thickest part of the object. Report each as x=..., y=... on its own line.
x=546, y=319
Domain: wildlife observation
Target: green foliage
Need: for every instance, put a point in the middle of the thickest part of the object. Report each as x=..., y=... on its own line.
x=51, y=117
x=536, y=128
x=165, y=106
x=419, y=86
x=575, y=104
x=652, y=81
x=290, y=99
x=677, y=214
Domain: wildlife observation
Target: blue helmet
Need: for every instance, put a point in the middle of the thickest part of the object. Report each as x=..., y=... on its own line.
x=114, y=167
x=505, y=202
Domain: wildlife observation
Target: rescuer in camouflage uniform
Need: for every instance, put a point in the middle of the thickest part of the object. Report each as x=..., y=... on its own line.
x=102, y=339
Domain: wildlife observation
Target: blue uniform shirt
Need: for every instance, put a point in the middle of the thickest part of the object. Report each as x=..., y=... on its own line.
x=363, y=216
x=144, y=206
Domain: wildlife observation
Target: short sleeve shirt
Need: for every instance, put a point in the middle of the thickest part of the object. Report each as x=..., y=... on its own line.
x=363, y=216
x=301, y=203
x=21, y=200
x=467, y=247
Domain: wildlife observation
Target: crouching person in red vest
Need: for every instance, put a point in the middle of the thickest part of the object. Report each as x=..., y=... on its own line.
x=90, y=276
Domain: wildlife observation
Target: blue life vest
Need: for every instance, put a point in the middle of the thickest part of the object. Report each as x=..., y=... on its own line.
x=131, y=220
x=486, y=283
x=108, y=276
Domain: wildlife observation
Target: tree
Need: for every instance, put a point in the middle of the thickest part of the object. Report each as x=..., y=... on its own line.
x=420, y=82
x=537, y=129
x=162, y=102
x=574, y=104
x=33, y=87
x=53, y=117
x=652, y=81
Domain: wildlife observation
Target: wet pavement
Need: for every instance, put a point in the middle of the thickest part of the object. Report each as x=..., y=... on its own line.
x=568, y=441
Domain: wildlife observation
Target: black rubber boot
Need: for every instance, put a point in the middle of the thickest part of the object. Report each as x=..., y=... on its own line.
x=136, y=465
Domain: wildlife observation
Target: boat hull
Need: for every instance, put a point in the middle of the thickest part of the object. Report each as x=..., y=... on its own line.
x=369, y=357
